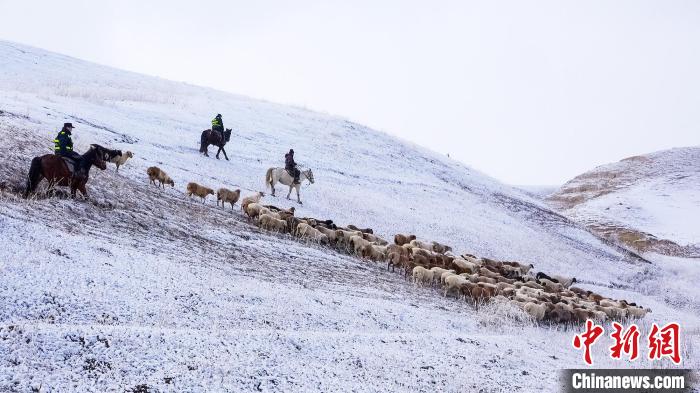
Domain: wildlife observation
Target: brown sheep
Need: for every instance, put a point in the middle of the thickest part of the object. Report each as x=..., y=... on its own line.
x=201, y=191
x=272, y=224
x=284, y=214
x=253, y=210
x=358, y=245
x=225, y=195
x=374, y=239
x=395, y=259
x=465, y=289
x=344, y=236
x=155, y=173
x=397, y=249
x=306, y=231
x=480, y=293
x=401, y=239
x=292, y=224
x=375, y=252
x=446, y=260
x=332, y=235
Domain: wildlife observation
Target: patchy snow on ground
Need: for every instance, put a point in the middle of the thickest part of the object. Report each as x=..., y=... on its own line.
x=656, y=193
x=143, y=289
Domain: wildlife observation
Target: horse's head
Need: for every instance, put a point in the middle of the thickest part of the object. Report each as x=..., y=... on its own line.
x=96, y=156
x=309, y=175
x=227, y=134
x=101, y=155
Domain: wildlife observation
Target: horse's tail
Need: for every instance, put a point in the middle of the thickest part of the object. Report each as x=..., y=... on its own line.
x=34, y=176
x=268, y=178
x=202, y=141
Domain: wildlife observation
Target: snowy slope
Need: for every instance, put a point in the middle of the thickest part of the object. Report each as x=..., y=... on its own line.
x=143, y=287
x=656, y=196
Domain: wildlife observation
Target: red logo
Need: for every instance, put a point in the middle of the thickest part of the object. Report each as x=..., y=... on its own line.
x=588, y=338
x=664, y=342
x=627, y=343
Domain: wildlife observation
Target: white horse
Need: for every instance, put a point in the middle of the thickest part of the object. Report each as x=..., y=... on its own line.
x=280, y=175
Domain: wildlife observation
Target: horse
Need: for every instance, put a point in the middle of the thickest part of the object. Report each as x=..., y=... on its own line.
x=54, y=169
x=275, y=175
x=210, y=137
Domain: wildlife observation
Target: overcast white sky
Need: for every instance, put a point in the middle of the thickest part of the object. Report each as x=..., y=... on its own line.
x=531, y=92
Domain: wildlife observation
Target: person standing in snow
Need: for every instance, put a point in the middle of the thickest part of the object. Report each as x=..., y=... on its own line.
x=63, y=144
x=217, y=125
x=291, y=166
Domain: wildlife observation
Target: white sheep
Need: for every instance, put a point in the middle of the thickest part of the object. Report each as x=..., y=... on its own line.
x=121, y=159
x=446, y=274
x=422, y=275
x=564, y=281
x=551, y=285
x=358, y=244
x=452, y=283
x=306, y=231
x=438, y=272
x=638, y=312
x=253, y=210
x=421, y=244
x=465, y=265
x=535, y=310
x=255, y=198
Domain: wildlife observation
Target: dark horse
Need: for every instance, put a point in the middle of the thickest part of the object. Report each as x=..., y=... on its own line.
x=210, y=137
x=54, y=169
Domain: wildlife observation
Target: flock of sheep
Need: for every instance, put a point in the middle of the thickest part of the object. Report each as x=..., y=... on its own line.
x=434, y=265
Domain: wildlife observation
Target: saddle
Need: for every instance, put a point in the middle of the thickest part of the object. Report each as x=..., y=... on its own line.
x=293, y=171
x=72, y=164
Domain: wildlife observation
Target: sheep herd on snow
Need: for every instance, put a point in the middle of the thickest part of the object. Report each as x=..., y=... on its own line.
x=434, y=265
x=430, y=264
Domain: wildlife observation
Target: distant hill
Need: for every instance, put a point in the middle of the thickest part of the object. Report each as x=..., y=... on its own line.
x=649, y=203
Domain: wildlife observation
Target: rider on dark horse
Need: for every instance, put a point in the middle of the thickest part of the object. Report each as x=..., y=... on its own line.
x=63, y=144
x=217, y=125
x=291, y=166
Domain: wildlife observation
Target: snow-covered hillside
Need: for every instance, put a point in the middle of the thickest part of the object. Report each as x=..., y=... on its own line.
x=143, y=287
x=649, y=202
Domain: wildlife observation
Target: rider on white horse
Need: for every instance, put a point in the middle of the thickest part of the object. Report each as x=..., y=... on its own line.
x=291, y=166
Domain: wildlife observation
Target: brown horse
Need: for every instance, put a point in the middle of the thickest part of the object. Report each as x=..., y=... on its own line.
x=210, y=137
x=54, y=169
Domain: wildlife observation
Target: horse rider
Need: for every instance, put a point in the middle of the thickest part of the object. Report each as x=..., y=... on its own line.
x=291, y=166
x=63, y=144
x=217, y=125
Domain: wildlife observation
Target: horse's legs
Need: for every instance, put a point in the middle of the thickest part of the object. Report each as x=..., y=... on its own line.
x=224, y=150
x=290, y=192
x=33, y=183
x=83, y=190
x=298, y=199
